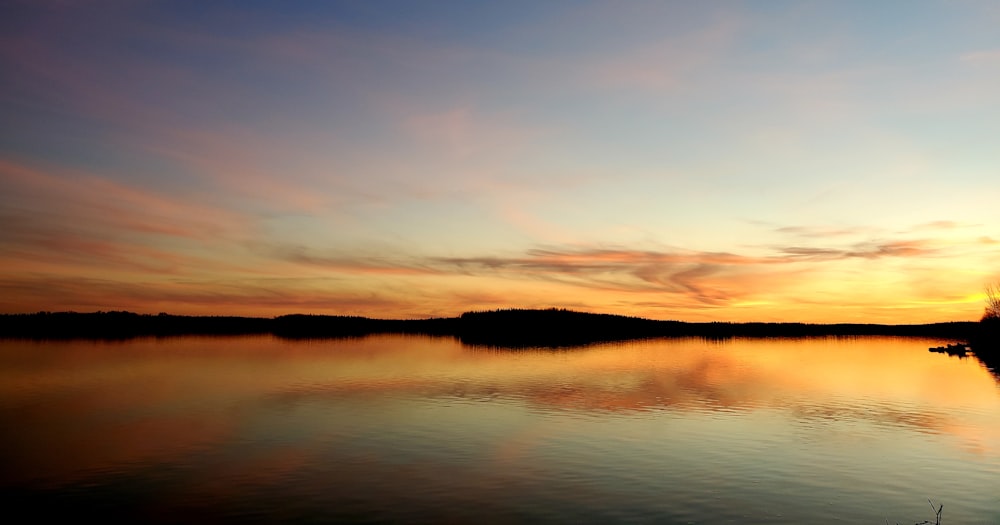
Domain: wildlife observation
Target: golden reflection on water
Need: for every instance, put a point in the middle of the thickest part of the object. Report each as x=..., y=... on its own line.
x=82, y=407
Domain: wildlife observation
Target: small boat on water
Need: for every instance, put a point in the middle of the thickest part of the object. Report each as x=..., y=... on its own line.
x=957, y=349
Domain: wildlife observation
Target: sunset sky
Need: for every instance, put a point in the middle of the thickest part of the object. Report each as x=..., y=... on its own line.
x=831, y=161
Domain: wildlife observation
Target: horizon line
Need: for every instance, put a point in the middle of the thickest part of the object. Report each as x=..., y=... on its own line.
x=473, y=312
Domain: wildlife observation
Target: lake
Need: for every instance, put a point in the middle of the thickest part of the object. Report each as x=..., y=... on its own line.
x=427, y=430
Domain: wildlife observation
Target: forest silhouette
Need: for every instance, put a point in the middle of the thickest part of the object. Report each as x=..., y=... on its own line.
x=505, y=328
x=501, y=329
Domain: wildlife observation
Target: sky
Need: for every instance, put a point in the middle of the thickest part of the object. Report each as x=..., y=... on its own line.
x=828, y=161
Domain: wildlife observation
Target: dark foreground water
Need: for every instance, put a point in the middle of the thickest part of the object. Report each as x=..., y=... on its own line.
x=413, y=429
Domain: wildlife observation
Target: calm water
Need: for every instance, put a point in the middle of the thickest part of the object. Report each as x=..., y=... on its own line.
x=411, y=429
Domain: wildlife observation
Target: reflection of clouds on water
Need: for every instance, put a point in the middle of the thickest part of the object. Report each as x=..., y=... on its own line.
x=892, y=382
x=115, y=406
x=402, y=428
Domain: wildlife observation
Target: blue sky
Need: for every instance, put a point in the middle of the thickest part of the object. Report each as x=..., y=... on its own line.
x=817, y=161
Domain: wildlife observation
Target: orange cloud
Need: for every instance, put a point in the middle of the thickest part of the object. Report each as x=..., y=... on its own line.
x=866, y=250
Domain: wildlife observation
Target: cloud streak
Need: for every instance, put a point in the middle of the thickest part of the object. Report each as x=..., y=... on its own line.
x=865, y=250
x=707, y=278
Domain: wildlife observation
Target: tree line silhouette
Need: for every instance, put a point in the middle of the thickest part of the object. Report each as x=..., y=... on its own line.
x=501, y=328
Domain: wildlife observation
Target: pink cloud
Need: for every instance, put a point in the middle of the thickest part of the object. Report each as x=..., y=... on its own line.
x=81, y=198
x=671, y=64
x=986, y=57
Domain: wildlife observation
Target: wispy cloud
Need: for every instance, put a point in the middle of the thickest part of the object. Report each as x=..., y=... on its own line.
x=67, y=221
x=671, y=64
x=695, y=279
x=822, y=231
x=865, y=250
x=43, y=191
x=938, y=225
x=711, y=278
x=369, y=265
x=462, y=132
x=985, y=57
x=234, y=297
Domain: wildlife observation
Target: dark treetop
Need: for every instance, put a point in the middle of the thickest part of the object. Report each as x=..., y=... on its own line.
x=506, y=328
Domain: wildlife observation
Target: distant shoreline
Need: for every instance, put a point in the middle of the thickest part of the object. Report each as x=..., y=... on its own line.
x=503, y=328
